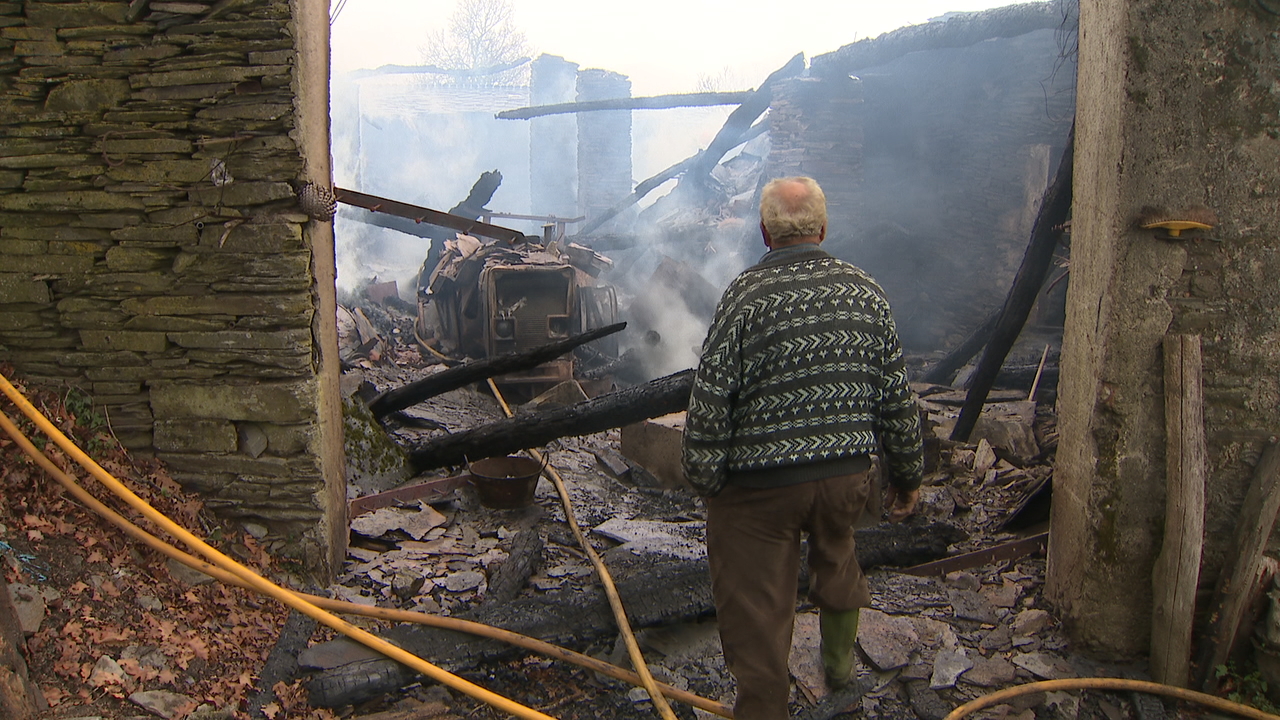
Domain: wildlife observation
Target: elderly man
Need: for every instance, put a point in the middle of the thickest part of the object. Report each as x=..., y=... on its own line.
x=801, y=379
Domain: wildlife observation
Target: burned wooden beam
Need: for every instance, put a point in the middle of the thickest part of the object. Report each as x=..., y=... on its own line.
x=419, y=214
x=651, y=102
x=658, y=397
x=437, y=70
x=477, y=370
x=1045, y=234
x=647, y=186
x=943, y=371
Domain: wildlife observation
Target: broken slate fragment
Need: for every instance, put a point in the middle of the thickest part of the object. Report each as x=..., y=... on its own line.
x=1029, y=622
x=416, y=523
x=682, y=540
x=949, y=664
x=460, y=581
x=972, y=606
x=1044, y=666
x=927, y=704
x=1004, y=596
x=406, y=584
x=29, y=605
x=887, y=641
x=997, y=639
x=106, y=672
x=166, y=704
x=993, y=672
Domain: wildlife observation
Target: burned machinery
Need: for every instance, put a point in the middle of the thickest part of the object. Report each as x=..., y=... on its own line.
x=486, y=299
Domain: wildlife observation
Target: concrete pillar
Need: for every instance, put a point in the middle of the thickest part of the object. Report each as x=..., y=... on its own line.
x=1177, y=105
x=553, y=139
x=604, y=145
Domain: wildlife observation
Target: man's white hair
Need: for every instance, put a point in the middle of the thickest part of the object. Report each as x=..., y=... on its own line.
x=793, y=207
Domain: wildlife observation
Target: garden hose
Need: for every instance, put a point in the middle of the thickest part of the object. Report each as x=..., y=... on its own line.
x=1212, y=701
x=256, y=581
x=342, y=606
x=606, y=580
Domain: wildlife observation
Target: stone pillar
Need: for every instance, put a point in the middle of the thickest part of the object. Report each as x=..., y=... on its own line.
x=1177, y=106
x=815, y=129
x=553, y=139
x=604, y=146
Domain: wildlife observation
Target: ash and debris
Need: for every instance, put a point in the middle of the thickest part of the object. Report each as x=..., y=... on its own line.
x=928, y=644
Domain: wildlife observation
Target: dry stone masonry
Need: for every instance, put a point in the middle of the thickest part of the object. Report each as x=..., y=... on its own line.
x=152, y=250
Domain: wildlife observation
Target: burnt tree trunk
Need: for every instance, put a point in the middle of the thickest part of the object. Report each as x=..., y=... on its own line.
x=658, y=397
x=1045, y=234
x=467, y=373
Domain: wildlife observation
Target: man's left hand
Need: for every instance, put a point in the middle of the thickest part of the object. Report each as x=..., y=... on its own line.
x=900, y=504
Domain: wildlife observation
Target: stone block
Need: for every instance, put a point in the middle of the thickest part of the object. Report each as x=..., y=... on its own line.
x=23, y=247
x=160, y=171
x=117, y=388
x=71, y=234
x=176, y=324
x=124, y=340
x=75, y=201
x=18, y=288
x=246, y=111
x=12, y=320
x=292, y=305
x=283, y=402
x=75, y=15
x=130, y=259
x=28, y=48
x=655, y=445
x=261, y=238
x=223, y=74
x=145, y=146
x=179, y=233
x=45, y=160
x=105, y=359
x=29, y=33
x=290, y=439
x=87, y=95
x=77, y=247
x=239, y=465
x=193, y=435
x=172, y=217
x=241, y=193
x=48, y=264
x=10, y=179
x=242, y=266
x=298, y=339
x=139, y=54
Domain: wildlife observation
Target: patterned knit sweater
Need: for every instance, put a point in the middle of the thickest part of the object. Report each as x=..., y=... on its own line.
x=801, y=368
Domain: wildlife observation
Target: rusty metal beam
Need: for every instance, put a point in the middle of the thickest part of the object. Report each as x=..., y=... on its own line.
x=429, y=491
x=1007, y=551
x=421, y=214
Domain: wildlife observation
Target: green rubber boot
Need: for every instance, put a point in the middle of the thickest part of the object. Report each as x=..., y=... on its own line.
x=839, y=632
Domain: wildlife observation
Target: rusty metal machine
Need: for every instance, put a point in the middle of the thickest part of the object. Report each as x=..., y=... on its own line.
x=496, y=298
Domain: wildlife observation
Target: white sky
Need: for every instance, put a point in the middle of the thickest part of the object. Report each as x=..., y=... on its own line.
x=664, y=46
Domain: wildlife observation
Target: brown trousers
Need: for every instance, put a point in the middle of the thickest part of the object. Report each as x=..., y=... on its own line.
x=753, y=545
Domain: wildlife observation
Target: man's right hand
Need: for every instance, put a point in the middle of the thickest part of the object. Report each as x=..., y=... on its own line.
x=900, y=504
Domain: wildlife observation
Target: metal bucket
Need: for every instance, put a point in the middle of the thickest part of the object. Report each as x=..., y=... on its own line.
x=505, y=483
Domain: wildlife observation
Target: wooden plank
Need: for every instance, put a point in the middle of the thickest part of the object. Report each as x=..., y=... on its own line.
x=1257, y=518
x=1007, y=551
x=651, y=102
x=420, y=214
x=1177, y=569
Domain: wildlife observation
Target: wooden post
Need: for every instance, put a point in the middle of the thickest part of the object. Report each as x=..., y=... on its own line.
x=1177, y=569
x=1231, y=597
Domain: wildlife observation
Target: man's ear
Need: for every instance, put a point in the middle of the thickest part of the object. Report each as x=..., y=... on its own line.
x=822, y=233
x=768, y=241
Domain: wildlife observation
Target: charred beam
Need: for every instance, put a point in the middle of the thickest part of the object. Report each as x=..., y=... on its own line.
x=437, y=70
x=475, y=371
x=1045, y=234
x=652, y=102
x=647, y=186
x=658, y=397
x=945, y=369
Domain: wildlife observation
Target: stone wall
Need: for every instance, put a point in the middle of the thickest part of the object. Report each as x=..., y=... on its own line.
x=152, y=250
x=1179, y=104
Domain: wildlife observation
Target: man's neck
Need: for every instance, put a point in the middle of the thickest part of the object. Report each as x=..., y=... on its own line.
x=813, y=240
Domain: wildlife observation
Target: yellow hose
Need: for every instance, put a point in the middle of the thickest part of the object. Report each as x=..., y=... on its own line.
x=256, y=581
x=1211, y=701
x=606, y=580
x=342, y=606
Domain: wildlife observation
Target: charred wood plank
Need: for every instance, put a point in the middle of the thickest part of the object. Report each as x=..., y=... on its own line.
x=477, y=370
x=652, y=102
x=513, y=574
x=1045, y=234
x=437, y=70
x=960, y=31
x=658, y=397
